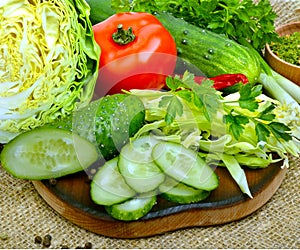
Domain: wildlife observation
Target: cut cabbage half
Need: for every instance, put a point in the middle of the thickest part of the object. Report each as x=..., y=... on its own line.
x=48, y=62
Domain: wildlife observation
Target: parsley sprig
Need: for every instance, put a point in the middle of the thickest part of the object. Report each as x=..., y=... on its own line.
x=204, y=96
x=248, y=22
x=237, y=114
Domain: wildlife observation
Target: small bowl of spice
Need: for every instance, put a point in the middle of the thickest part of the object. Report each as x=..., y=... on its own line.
x=284, y=55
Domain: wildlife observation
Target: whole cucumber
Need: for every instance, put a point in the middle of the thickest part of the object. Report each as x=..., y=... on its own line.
x=108, y=122
x=213, y=54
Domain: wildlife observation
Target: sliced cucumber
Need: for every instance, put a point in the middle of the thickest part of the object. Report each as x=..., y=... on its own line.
x=108, y=186
x=137, y=166
x=132, y=209
x=46, y=153
x=184, y=165
x=175, y=191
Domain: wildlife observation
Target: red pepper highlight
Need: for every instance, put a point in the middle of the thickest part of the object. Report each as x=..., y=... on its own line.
x=224, y=81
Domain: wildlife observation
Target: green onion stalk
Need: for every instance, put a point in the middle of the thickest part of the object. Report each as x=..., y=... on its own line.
x=286, y=92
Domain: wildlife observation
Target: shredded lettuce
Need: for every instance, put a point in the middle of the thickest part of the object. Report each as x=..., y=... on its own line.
x=48, y=62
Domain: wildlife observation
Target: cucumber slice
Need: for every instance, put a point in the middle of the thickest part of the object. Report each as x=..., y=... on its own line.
x=175, y=191
x=137, y=166
x=46, y=153
x=132, y=209
x=108, y=186
x=184, y=165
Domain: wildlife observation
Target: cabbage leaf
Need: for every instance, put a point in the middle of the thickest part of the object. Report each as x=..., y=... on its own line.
x=48, y=62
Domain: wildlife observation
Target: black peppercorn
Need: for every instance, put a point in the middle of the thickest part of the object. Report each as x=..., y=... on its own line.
x=47, y=240
x=88, y=245
x=38, y=239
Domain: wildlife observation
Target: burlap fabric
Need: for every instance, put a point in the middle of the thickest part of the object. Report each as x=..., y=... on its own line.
x=24, y=214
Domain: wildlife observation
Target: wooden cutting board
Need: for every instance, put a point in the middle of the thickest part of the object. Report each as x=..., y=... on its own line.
x=70, y=197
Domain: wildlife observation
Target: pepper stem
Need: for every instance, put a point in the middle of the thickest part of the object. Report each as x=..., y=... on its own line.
x=122, y=36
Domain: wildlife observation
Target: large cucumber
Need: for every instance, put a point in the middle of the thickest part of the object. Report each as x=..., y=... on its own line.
x=213, y=54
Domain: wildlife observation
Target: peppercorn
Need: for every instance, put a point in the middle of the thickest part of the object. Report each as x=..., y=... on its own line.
x=47, y=240
x=38, y=239
x=88, y=245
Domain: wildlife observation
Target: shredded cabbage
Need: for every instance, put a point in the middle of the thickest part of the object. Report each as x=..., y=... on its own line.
x=48, y=62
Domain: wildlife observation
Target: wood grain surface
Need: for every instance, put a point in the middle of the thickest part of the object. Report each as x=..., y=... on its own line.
x=70, y=197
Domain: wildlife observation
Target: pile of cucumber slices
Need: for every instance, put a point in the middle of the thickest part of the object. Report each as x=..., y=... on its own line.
x=128, y=185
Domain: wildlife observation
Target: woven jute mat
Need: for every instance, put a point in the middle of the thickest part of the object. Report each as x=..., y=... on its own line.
x=24, y=214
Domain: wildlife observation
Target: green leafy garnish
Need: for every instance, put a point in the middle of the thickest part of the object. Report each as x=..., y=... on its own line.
x=203, y=96
x=248, y=95
x=262, y=132
x=267, y=114
x=247, y=22
x=236, y=123
x=287, y=48
x=263, y=119
x=280, y=131
x=174, y=107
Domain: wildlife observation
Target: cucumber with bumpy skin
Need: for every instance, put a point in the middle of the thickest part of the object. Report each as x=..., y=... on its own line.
x=213, y=54
x=108, y=122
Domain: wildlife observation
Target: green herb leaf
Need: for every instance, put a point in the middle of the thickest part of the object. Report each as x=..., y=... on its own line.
x=205, y=97
x=173, y=83
x=185, y=94
x=236, y=124
x=262, y=132
x=267, y=114
x=280, y=131
x=248, y=96
x=248, y=22
x=174, y=107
